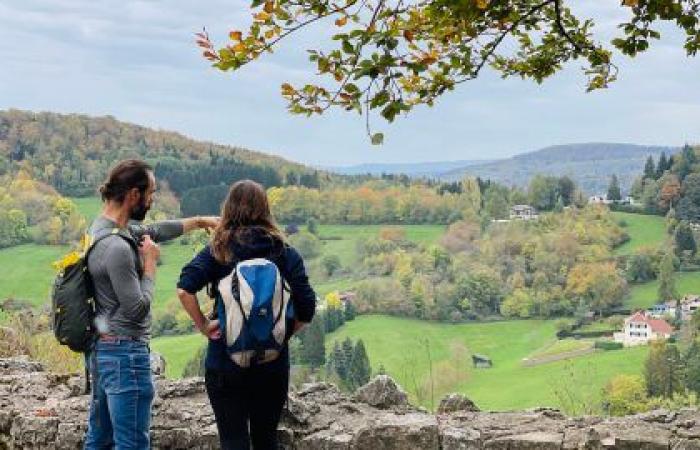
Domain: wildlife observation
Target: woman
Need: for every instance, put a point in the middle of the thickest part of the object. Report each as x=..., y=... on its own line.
x=241, y=397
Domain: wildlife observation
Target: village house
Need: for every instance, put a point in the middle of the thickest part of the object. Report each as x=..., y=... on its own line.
x=603, y=200
x=688, y=305
x=523, y=212
x=598, y=200
x=662, y=310
x=640, y=328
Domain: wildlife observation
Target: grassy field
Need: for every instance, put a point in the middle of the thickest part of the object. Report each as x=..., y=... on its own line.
x=177, y=351
x=89, y=207
x=26, y=272
x=399, y=345
x=645, y=295
x=561, y=346
x=644, y=231
x=346, y=248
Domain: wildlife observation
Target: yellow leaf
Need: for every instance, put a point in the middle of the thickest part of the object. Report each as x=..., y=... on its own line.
x=630, y=3
x=408, y=35
x=341, y=21
x=235, y=35
x=240, y=47
x=67, y=261
x=262, y=16
x=287, y=89
x=269, y=7
x=482, y=4
x=269, y=34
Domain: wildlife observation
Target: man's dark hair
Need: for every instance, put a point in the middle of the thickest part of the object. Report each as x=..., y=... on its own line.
x=126, y=175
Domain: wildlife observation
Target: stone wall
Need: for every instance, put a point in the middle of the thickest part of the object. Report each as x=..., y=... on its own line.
x=40, y=410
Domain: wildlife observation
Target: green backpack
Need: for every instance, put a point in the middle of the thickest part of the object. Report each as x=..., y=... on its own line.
x=73, y=295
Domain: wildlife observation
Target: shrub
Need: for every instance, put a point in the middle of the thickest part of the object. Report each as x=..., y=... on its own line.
x=625, y=394
x=330, y=263
x=306, y=243
x=28, y=334
x=564, y=325
x=608, y=345
x=312, y=226
x=164, y=324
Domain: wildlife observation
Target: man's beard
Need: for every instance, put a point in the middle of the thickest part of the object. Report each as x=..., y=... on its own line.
x=139, y=211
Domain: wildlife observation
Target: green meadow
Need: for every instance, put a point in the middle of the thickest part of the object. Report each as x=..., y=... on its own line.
x=26, y=271
x=410, y=350
x=644, y=295
x=644, y=231
x=177, y=351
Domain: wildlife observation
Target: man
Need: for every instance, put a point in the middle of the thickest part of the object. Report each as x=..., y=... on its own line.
x=123, y=268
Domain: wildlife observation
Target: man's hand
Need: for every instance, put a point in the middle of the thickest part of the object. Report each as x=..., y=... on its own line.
x=150, y=252
x=200, y=222
x=211, y=329
x=208, y=223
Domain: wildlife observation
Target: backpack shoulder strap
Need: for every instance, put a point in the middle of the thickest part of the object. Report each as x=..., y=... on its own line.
x=107, y=232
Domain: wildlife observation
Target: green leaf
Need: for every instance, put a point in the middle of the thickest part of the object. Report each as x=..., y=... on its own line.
x=348, y=48
x=377, y=138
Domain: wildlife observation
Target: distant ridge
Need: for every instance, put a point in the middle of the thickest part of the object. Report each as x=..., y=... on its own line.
x=589, y=164
x=427, y=169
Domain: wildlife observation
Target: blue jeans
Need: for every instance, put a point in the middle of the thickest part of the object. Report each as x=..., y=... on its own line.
x=122, y=394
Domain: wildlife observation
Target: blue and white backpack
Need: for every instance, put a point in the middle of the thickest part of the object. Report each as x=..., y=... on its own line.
x=253, y=308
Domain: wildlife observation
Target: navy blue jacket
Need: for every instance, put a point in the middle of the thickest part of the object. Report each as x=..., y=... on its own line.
x=205, y=269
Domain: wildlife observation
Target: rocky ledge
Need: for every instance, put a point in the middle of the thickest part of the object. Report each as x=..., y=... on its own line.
x=40, y=410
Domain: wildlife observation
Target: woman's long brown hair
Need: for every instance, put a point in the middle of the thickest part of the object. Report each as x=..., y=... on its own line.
x=245, y=207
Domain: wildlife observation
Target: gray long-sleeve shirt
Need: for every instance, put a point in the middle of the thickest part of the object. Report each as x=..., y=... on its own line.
x=122, y=298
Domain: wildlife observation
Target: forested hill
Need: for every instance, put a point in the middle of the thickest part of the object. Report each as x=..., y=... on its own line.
x=72, y=153
x=591, y=165
x=424, y=169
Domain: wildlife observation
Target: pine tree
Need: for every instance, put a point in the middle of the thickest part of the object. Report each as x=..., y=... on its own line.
x=330, y=363
x=663, y=370
x=350, y=311
x=649, y=169
x=348, y=349
x=382, y=370
x=663, y=166
x=688, y=159
x=614, y=193
x=314, y=351
x=692, y=368
x=339, y=315
x=685, y=241
x=667, y=280
x=340, y=362
x=360, y=370
x=675, y=369
x=328, y=321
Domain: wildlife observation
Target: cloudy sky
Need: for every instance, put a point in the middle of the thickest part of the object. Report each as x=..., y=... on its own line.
x=136, y=60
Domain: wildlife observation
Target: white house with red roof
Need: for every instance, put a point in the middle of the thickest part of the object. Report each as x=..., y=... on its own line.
x=640, y=328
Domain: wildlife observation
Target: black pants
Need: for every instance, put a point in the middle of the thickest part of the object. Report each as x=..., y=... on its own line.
x=246, y=399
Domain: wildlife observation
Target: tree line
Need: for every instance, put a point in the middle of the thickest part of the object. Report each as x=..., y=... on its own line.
x=671, y=185
x=385, y=202
x=72, y=153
